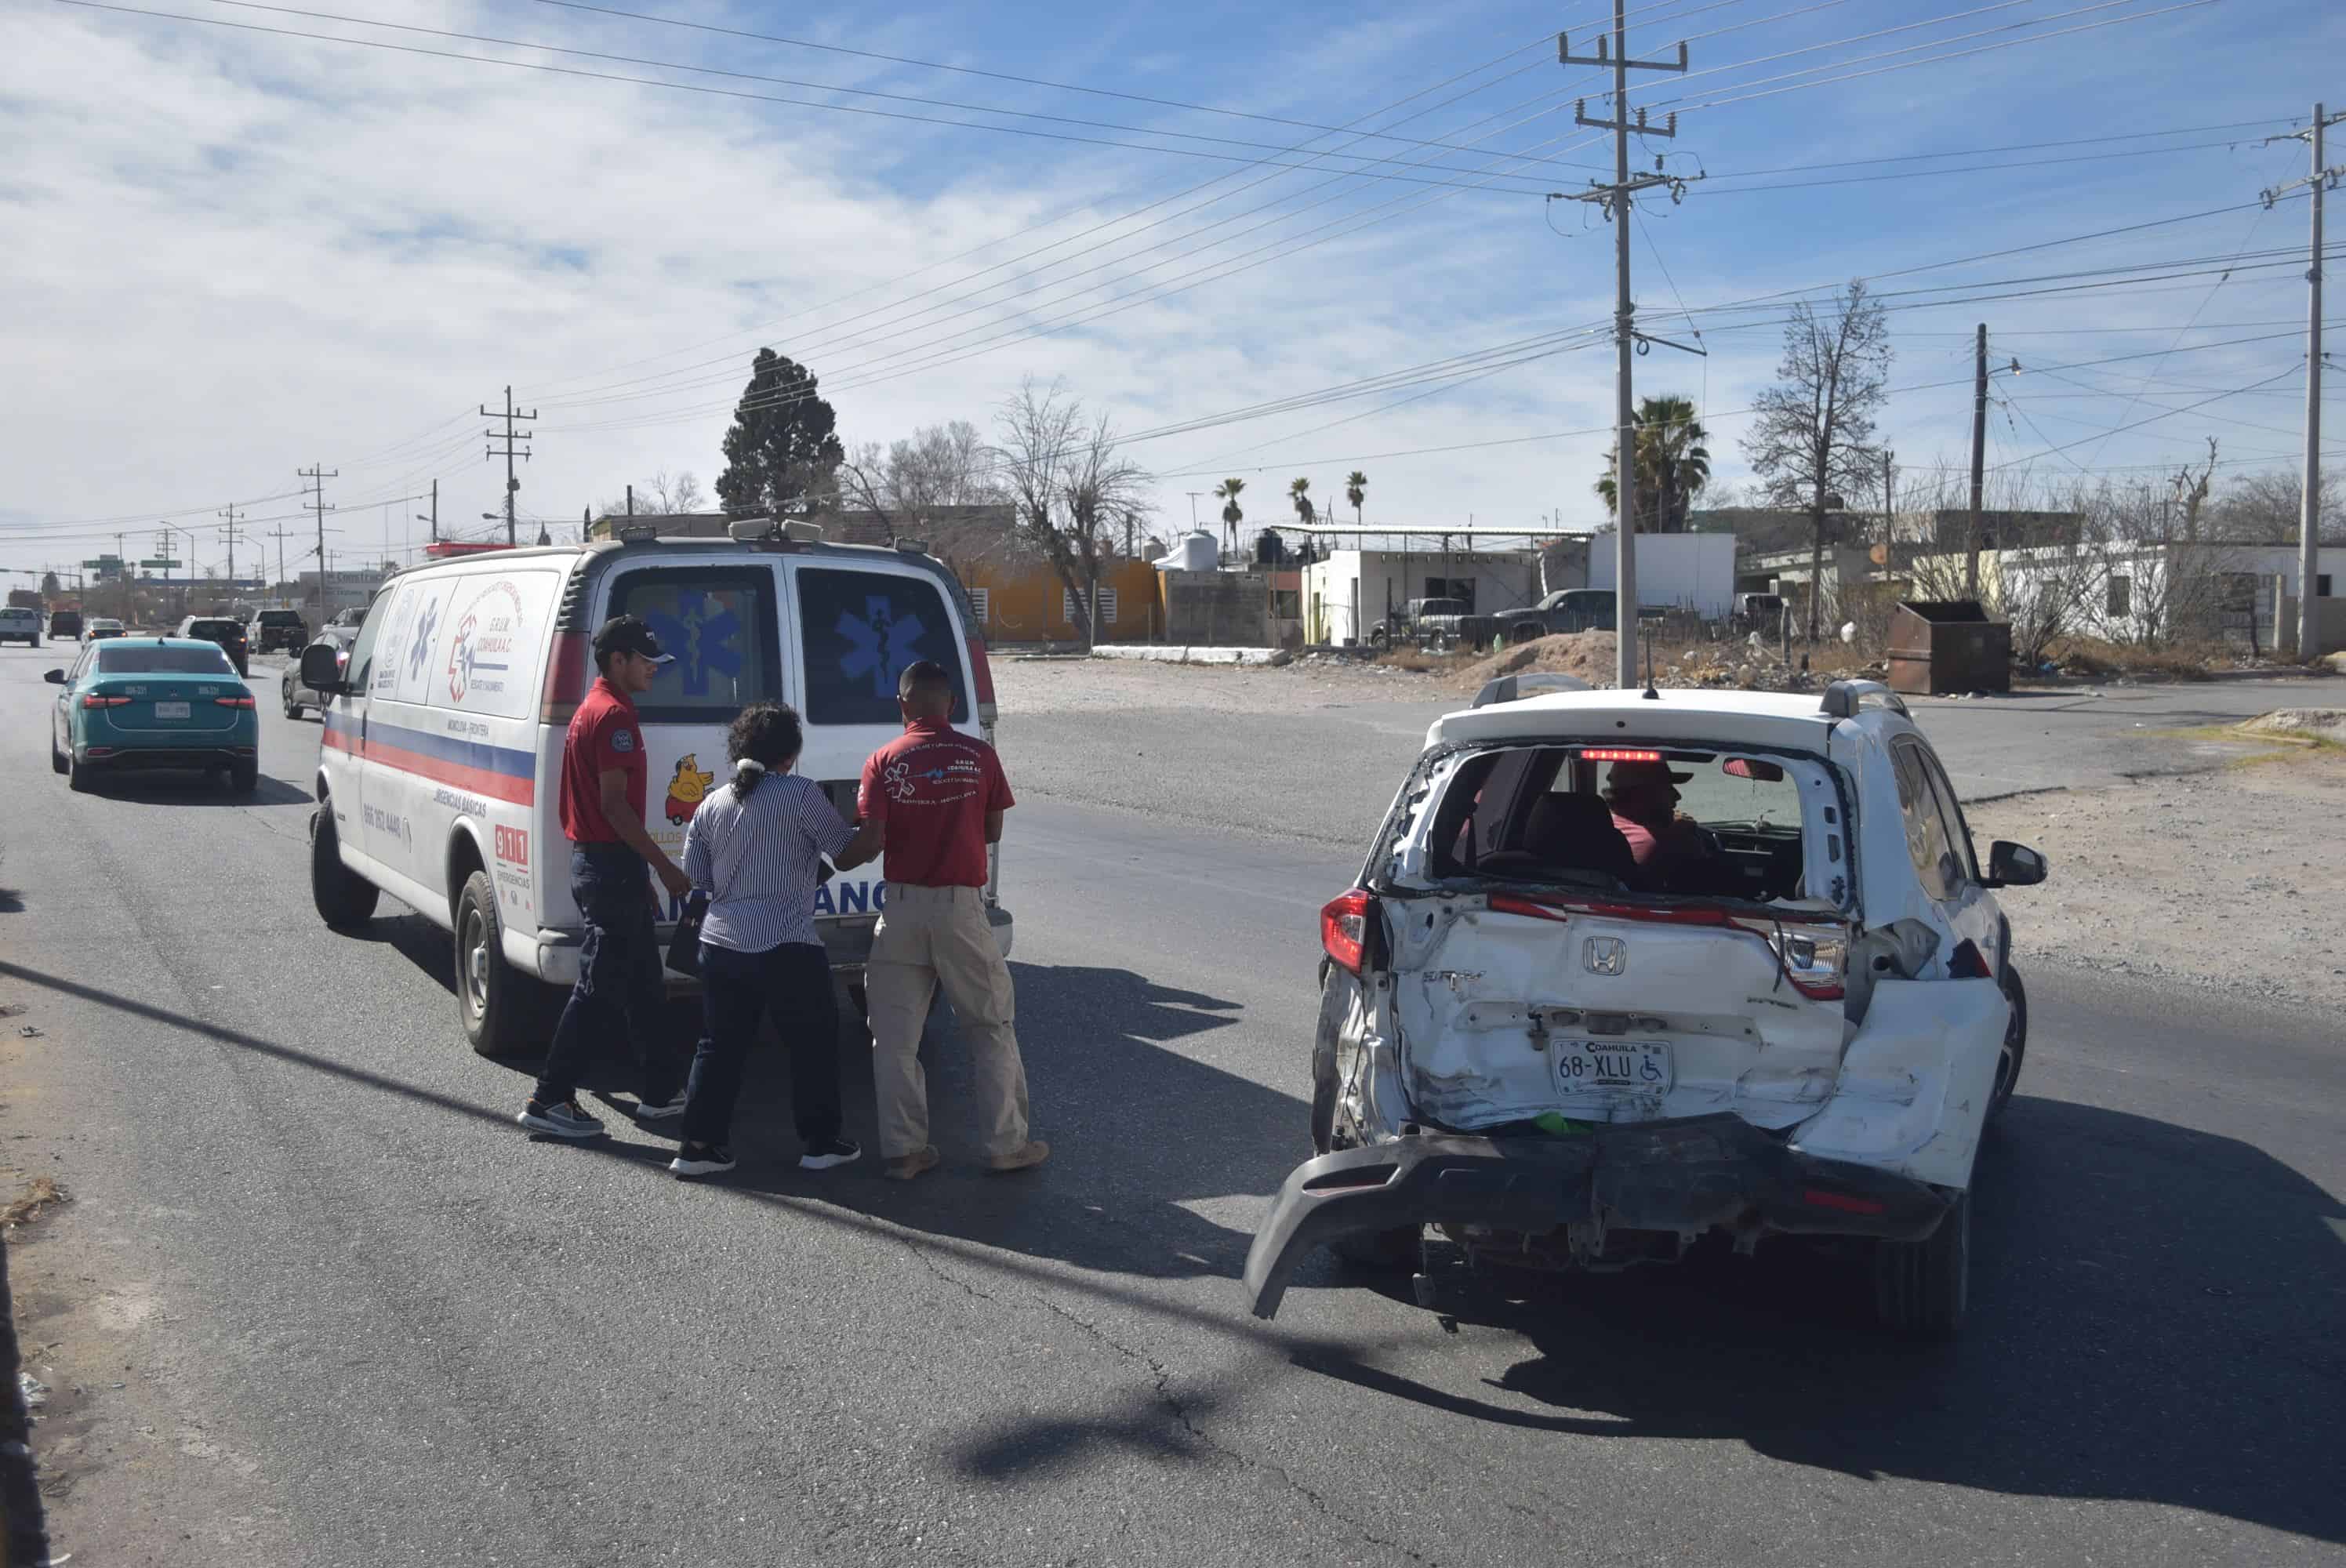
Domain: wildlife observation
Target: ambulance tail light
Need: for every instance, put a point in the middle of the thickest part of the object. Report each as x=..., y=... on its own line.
x=569, y=671
x=981, y=675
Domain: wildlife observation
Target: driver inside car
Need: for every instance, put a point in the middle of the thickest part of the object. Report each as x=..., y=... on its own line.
x=1670, y=849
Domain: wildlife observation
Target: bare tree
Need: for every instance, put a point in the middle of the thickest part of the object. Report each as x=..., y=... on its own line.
x=2266, y=507
x=1104, y=492
x=662, y=495
x=1034, y=429
x=1811, y=436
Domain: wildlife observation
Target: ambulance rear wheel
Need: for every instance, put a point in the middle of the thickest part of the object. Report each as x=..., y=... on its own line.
x=497, y=1006
x=344, y=899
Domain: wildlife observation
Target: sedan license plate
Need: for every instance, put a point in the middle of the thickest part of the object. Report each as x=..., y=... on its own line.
x=1643, y=1065
x=170, y=710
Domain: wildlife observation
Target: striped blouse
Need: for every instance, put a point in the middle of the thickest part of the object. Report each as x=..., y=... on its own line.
x=759, y=858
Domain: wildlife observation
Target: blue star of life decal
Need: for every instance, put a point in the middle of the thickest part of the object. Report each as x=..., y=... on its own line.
x=879, y=643
x=705, y=636
x=419, y=652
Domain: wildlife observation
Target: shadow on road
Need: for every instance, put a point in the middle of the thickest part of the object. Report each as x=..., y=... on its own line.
x=2153, y=1319
x=177, y=789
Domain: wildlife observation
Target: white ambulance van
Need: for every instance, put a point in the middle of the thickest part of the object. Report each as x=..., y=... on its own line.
x=439, y=775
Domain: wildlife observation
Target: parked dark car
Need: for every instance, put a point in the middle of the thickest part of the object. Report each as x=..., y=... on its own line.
x=293, y=694
x=269, y=630
x=220, y=630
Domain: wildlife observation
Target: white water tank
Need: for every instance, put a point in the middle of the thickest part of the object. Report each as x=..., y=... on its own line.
x=1193, y=551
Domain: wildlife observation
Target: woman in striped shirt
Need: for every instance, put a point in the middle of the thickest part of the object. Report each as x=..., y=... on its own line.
x=755, y=849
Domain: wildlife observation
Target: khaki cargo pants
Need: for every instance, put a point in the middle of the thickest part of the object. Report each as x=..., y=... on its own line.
x=930, y=937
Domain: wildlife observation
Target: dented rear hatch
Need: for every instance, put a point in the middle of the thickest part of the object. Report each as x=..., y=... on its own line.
x=1618, y=932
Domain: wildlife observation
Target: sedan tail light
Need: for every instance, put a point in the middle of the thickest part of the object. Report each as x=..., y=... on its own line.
x=1345, y=928
x=99, y=699
x=233, y=701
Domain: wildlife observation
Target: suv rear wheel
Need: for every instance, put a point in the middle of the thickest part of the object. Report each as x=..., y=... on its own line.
x=497, y=1006
x=344, y=899
x=2015, y=1042
x=1922, y=1288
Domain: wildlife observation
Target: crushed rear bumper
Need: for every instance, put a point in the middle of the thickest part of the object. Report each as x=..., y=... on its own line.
x=1688, y=1175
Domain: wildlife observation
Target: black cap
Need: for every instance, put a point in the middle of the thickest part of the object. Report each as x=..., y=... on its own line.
x=628, y=634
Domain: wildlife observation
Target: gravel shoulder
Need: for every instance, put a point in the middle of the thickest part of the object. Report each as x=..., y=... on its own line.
x=2231, y=880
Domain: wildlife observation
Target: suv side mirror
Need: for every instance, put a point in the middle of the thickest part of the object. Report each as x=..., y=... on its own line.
x=55, y=677
x=321, y=669
x=2011, y=865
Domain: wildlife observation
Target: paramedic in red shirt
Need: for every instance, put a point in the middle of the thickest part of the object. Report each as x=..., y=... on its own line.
x=934, y=797
x=620, y=994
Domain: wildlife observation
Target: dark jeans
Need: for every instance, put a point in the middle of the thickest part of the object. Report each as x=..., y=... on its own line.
x=620, y=998
x=793, y=982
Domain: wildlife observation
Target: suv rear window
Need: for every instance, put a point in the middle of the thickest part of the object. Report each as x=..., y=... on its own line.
x=214, y=629
x=1732, y=827
x=135, y=660
x=279, y=618
x=861, y=630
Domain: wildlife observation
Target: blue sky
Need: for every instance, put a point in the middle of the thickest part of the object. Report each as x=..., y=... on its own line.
x=237, y=253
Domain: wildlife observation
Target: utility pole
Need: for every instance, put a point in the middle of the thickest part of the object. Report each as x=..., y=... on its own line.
x=1889, y=515
x=316, y=503
x=435, y=511
x=2308, y=525
x=509, y=435
x=281, y=536
x=227, y=531
x=1618, y=199
x=1979, y=457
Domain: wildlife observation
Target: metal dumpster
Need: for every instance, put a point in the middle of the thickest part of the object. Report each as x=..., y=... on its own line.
x=1948, y=645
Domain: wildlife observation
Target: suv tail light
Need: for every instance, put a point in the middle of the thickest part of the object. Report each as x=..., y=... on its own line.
x=565, y=679
x=981, y=674
x=1815, y=955
x=1345, y=928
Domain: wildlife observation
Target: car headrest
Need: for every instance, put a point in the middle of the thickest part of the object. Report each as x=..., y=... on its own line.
x=1578, y=831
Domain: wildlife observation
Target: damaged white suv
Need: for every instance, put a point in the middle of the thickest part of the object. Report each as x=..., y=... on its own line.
x=1625, y=969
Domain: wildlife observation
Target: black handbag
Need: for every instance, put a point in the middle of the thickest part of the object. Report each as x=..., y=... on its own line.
x=684, y=943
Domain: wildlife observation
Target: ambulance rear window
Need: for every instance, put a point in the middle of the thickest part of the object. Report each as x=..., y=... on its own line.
x=720, y=626
x=861, y=629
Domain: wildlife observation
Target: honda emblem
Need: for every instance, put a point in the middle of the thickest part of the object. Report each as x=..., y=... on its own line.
x=1605, y=954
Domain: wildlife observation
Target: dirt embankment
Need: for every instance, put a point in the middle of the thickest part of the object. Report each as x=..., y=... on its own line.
x=2212, y=878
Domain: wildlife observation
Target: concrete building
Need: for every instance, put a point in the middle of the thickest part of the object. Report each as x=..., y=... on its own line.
x=1349, y=593
x=347, y=587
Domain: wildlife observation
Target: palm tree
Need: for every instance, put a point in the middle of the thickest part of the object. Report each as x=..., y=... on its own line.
x=1673, y=464
x=1298, y=490
x=1228, y=491
x=1356, y=491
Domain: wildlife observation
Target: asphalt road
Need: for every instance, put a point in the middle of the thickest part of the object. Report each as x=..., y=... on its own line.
x=317, y=1301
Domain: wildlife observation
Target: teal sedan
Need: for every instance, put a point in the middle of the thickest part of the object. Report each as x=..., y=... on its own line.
x=154, y=702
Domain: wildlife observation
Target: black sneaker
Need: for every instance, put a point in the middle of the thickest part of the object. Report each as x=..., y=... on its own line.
x=830, y=1152
x=702, y=1160
x=564, y=1120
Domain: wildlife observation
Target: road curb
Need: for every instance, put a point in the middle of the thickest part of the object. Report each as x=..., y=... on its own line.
x=1172, y=653
x=24, y=1530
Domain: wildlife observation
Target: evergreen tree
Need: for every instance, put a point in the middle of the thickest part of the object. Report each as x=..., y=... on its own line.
x=783, y=448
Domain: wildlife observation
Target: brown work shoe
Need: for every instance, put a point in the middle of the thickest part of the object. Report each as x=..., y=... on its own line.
x=1027, y=1156
x=913, y=1164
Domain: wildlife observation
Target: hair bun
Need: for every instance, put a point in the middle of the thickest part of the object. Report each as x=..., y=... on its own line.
x=746, y=774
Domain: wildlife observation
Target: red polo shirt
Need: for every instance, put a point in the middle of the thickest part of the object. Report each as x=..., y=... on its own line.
x=933, y=786
x=604, y=734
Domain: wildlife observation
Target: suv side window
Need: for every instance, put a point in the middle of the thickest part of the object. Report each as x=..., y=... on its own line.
x=359, y=668
x=1930, y=840
x=720, y=623
x=1959, y=831
x=858, y=632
